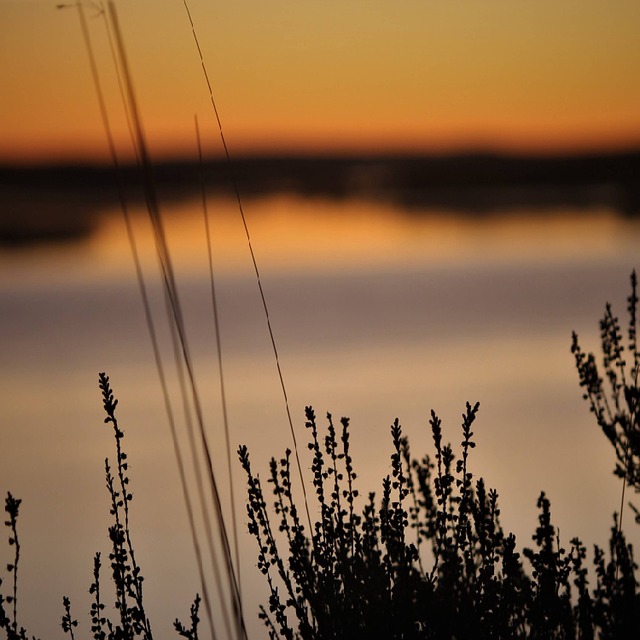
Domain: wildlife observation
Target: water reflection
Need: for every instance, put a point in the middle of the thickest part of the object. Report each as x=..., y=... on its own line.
x=330, y=235
x=377, y=314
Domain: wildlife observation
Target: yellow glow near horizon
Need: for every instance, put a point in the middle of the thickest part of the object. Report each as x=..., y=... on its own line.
x=347, y=75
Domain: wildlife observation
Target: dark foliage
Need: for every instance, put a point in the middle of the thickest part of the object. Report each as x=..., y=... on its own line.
x=614, y=397
x=9, y=616
x=430, y=560
x=131, y=618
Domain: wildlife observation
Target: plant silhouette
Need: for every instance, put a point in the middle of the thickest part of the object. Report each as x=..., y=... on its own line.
x=126, y=576
x=431, y=560
x=614, y=398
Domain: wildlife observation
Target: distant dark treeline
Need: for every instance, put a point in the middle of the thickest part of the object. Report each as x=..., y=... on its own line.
x=63, y=201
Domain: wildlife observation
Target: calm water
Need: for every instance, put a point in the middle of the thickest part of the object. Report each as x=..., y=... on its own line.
x=377, y=314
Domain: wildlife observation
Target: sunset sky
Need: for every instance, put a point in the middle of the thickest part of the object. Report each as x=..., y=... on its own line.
x=335, y=75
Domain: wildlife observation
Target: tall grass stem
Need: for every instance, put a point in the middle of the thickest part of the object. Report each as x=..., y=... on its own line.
x=176, y=318
x=218, y=341
x=253, y=260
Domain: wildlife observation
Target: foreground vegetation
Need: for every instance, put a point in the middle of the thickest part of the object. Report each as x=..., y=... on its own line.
x=427, y=559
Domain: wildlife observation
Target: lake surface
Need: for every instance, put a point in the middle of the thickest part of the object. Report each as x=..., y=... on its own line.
x=377, y=314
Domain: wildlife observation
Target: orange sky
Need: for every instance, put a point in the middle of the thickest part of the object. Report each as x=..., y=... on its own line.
x=333, y=75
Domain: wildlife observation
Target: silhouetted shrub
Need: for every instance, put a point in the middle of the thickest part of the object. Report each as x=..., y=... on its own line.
x=126, y=576
x=431, y=560
x=615, y=399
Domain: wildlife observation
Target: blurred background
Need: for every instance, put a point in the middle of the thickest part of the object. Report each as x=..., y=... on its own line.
x=437, y=193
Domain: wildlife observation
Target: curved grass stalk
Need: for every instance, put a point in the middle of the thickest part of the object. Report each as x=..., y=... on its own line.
x=175, y=316
x=253, y=260
x=141, y=153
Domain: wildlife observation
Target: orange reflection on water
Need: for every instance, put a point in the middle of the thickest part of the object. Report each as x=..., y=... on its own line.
x=293, y=233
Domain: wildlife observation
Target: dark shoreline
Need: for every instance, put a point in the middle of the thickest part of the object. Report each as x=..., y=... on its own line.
x=58, y=202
